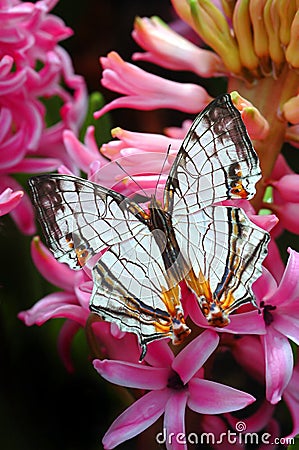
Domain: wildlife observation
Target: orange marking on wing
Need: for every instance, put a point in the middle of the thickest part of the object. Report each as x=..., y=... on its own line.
x=212, y=308
x=239, y=190
x=69, y=241
x=82, y=255
x=171, y=299
x=200, y=285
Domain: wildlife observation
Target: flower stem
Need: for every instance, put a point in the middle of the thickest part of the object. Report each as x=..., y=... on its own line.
x=268, y=95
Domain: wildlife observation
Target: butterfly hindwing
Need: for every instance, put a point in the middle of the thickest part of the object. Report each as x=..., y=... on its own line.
x=225, y=251
x=132, y=289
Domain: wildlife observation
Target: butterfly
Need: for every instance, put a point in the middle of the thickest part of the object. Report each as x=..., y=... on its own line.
x=144, y=253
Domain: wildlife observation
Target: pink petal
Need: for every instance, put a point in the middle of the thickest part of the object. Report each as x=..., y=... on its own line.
x=9, y=200
x=264, y=286
x=81, y=154
x=112, y=346
x=146, y=91
x=192, y=357
x=174, y=421
x=146, y=141
x=13, y=149
x=273, y=261
x=288, y=215
x=249, y=353
x=135, y=419
x=279, y=364
x=55, y=272
x=22, y=214
x=159, y=354
x=267, y=221
x=288, y=288
x=240, y=323
x=132, y=375
x=281, y=168
x=56, y=305
x=6, y=122
x=178, y=132
x=291, y=397
x=168, y=49
x=90, y=140
x=286, y=321
x=208, y=397
x=257, y=421
x=36, y=165
x=288, y=187
x=83, y=289
x=250, y=322
x=66, y=336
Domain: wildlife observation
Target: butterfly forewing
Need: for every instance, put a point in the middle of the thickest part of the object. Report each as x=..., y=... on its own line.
x=80, y=219
x=215, y=162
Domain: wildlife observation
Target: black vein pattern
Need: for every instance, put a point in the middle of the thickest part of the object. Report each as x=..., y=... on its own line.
x=136, y=278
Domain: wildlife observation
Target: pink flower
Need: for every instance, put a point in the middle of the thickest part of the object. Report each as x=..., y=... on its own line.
x=22, y=213
x=291, y=398
x=83, y=154
x=285, y=197
x=248, y=352
x=174, y=383
x=72, y=303
x=138, y=160
x=168, y=49
x=279, y=303
x=33, y=68
x=146, y=91
x=287, y=187
x=9, y=200
x=130, y=142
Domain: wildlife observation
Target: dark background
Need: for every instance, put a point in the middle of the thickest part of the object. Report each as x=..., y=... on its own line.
x=42, y=406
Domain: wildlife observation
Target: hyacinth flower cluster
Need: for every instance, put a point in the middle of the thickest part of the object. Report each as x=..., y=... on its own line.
x=253, y=45
x=35, y=72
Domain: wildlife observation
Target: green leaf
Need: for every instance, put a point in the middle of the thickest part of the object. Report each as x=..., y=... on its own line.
x=53, y=105
x=295, y=444
x=268, y=198
x=102, y=125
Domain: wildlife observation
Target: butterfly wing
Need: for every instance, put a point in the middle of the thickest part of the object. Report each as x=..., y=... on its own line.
x=215, y=162
x=224, y=250
x=132, y=289
x=80, y=219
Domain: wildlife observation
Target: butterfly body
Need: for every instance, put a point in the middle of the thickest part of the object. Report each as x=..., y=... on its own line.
x=144, y=255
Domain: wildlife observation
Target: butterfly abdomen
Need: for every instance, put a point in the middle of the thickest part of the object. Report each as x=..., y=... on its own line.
x=161, y=227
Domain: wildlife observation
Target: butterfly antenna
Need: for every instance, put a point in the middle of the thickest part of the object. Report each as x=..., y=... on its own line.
x=162, y=168
x=131, y=178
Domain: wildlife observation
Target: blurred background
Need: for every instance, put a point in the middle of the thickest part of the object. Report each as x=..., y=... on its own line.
x=42, y=406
